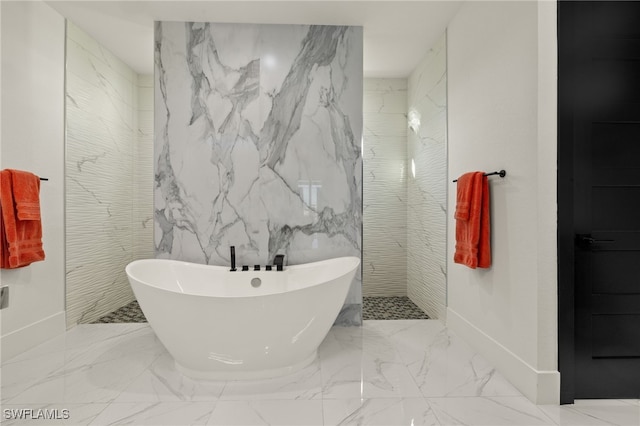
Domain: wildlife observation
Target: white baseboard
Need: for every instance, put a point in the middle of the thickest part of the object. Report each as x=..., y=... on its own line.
x=540, y=386
x=25, y=338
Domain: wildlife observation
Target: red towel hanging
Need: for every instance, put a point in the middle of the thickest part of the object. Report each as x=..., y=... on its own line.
x=473, y=245
x=20, y=224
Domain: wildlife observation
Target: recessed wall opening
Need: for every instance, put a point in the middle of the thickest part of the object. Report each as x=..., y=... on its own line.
x=404, y=248
x=109, y=176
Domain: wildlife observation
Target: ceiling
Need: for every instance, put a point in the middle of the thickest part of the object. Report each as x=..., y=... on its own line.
x=397, y=34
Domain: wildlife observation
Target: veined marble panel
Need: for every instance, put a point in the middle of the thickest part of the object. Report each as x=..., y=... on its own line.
x=108, y=178
x=385, y=188
x=427, y=191
x=258, y=144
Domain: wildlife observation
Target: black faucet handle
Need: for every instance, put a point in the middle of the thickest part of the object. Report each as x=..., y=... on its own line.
x=233, y=258
x=279, y=261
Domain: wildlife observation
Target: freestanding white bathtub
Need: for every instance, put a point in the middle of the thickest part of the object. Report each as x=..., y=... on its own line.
x=224, y=325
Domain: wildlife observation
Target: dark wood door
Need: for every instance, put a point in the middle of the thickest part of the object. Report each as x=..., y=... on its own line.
x=602, y=103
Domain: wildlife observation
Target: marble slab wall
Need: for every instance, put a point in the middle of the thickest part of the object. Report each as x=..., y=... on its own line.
x=258, y=144
x=427, y=185
x=385, y=187
x=104, y=155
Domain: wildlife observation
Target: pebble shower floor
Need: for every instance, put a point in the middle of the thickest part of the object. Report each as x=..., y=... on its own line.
x=373, y=308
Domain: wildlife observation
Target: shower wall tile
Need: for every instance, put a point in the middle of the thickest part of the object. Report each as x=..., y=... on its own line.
x=258, y=144
x=385, y=102
x=385, y=188
x=381, y=124
x=97, y=51
x=115, y=112
x=385, y=85
x=101, y=144
x=427, y=192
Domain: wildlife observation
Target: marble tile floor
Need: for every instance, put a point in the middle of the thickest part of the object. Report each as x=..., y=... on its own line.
x=406, y=372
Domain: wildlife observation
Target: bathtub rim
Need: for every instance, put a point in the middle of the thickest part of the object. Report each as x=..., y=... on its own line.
x=357, y=261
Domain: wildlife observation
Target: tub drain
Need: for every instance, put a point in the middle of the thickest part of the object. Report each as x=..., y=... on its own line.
x=256, y=282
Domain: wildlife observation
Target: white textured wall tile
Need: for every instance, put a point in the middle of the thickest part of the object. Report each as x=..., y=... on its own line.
x=143, y=247
x=385, y=188
x=393, y=101
x=108, y=179
x=385, y=85
x=101, y=74
x=106, y=58
x=145, y=98
x=146, y=80
x=385, y=124
x=87, y=97
x=427, y=192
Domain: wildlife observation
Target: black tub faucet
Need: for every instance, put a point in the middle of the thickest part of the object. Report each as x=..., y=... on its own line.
x=278, y=261
x=233, y=258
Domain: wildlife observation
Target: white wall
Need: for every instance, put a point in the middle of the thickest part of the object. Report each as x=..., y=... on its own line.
x=33, y=140
x=502, y=70
x=427, y=190
x=384, y=245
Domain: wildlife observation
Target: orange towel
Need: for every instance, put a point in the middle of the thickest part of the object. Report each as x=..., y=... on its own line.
x=473, y=247
x=26, y=194
x=20, y=239
x=463, y=196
